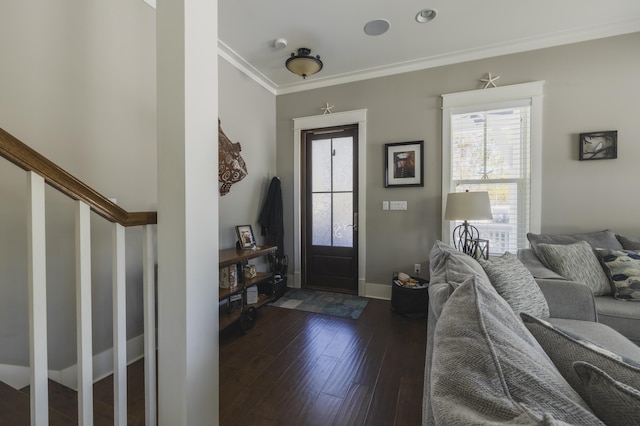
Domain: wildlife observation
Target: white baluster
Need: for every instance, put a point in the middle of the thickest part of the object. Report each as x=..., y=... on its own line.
x=149, y=290
x=119, y=327
x=37, y=301
x=83, y=314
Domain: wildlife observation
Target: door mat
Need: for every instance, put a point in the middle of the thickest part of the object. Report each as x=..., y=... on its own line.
x=323, y=302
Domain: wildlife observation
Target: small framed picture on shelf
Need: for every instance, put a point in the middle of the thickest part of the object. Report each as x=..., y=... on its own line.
x=246, y=240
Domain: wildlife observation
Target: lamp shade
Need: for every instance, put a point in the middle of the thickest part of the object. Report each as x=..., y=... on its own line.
x=468, y=206
x=303, y=64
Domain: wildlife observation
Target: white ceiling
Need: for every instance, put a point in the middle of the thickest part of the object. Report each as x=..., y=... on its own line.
x=463, y=30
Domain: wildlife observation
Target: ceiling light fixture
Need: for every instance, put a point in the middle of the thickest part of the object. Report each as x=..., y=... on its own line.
x=376, y=27
x=303, y=64
x=426, y=15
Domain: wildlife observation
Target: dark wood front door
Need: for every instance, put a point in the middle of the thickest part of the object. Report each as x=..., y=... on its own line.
x=330, y=209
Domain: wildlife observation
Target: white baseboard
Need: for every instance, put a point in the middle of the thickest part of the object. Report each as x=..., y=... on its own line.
x=378, y=291
x=15, y=376
x=18, y=376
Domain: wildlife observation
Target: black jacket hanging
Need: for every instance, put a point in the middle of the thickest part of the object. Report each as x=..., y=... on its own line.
x=271, y=217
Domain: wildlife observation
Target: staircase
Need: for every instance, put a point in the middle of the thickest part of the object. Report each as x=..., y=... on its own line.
x=63, y=402
x=113, y=400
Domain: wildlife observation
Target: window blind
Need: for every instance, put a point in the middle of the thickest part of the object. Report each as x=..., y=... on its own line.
x=490, y=151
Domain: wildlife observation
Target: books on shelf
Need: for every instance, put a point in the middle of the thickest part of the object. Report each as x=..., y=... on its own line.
x=235, y=302
x=228, y=276
x=252, y=295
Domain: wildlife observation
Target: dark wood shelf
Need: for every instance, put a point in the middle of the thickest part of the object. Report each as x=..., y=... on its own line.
x=234, y=256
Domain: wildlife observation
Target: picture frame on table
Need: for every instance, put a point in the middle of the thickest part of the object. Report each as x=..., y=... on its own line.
x=246, y=239
x=599, y=145
x=404, y=164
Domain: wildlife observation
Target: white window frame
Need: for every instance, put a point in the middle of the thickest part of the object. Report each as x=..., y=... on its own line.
x=532, y=91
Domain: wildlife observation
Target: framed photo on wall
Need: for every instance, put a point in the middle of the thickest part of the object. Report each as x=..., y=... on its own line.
x=245, y=236
x=599, y=145
x=404, y=164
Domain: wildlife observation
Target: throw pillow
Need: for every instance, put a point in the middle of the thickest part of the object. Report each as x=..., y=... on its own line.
x=487, y=368
x=576, y=262
x=516, y=285
x=446, y=264
x=612, y=401
x=628, y=243
x=623, y=269
x=565, y=348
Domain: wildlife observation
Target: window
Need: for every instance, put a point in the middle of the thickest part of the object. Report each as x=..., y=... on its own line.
x=491, y=142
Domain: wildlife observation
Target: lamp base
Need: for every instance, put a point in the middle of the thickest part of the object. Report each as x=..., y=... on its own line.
x=466, y=239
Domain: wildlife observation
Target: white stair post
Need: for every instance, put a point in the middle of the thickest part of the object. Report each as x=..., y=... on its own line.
x=149, y=296
x=37, y=301
x=83, y=314
x=119, y=327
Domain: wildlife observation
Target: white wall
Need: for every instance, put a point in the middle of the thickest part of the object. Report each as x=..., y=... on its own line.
x=78, y=84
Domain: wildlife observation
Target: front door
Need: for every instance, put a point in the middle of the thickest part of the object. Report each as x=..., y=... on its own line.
x=330, y=209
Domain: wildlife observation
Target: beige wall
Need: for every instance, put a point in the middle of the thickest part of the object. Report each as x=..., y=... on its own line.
x=78, y=84
x=589, y=86
x=247, y=114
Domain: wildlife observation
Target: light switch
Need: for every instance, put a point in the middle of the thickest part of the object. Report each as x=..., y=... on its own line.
x=398, y=205
x=385, y=205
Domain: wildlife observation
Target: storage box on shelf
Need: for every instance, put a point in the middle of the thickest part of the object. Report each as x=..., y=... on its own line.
x=236, y=259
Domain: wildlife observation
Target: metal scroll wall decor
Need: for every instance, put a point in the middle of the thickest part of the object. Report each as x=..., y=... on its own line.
x=231, y=166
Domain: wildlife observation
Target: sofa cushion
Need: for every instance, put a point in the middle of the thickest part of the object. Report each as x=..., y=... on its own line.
x=448, y=265
x=614, y=402
x=619, y=315
x=622, y=267
x=488, y=369
x=604, y=239
x=628, y=243
x=565, y=348
x=516, y=285
x=576, y=262
x=599, y=334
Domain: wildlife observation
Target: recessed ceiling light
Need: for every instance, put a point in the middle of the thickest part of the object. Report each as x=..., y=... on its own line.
x=426, y=15
x=376, y=27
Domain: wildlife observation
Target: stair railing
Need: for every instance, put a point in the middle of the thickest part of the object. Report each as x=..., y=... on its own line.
x=40, y=170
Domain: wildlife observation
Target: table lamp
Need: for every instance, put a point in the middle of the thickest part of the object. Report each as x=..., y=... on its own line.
x=467, y=206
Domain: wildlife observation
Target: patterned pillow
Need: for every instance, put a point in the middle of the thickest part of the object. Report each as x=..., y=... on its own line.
x=576, y=262
x=623, y=269
x=565, y=348
x=488, y=369
x=516, y=285
x=612, y=401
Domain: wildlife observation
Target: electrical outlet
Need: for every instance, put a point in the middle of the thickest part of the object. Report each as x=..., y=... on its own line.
x=416, y=268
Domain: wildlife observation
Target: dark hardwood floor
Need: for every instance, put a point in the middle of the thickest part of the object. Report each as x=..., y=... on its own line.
x=300, y=368
x=294, y=368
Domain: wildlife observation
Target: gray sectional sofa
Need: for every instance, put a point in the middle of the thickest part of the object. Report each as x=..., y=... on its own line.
x=621, y=315
x=503, y=348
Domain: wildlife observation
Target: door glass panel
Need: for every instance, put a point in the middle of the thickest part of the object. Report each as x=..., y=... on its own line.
x=343, y=219
x=343, y=164
x=321, y=219
x=321, y=166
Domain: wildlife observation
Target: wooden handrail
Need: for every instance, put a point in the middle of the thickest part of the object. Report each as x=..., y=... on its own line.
x=28, y=159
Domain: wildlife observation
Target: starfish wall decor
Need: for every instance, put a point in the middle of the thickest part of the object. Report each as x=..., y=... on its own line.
x=489, y=81
x=327, y=109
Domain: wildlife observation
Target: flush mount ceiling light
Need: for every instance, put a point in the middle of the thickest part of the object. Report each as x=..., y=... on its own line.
x=426, y=15
x=303, y=64
x=376, y=27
